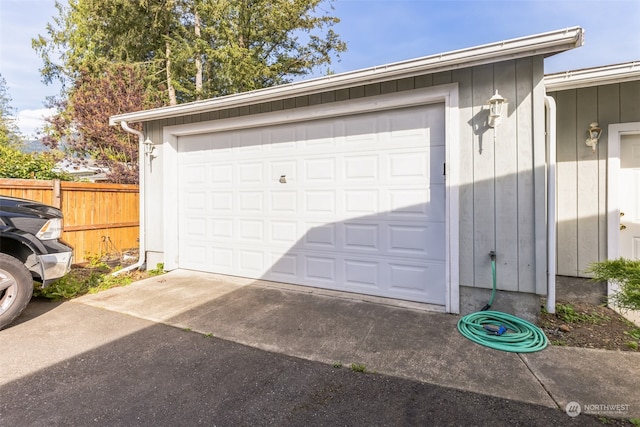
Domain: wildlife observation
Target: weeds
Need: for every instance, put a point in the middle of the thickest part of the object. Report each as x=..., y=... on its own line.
x=568, y=314
x=93, y=278
x=358, y=367
x=158, y=270
x=634, y=333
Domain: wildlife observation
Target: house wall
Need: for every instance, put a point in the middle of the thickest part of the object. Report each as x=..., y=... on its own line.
x=582, y=174
x=502, y=179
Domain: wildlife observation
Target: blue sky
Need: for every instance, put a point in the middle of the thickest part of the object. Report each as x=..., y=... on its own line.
x=377, y=32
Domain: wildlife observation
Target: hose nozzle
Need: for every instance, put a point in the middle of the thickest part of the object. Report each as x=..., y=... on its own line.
x=492, y=255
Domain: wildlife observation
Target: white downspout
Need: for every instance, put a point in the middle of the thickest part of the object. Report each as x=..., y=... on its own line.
x=141, y=171
x=551, y=203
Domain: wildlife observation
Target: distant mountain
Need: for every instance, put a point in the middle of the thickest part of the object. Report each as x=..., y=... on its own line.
x=33, y=146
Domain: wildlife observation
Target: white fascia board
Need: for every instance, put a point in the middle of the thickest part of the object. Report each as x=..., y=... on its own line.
x=597, y=76
x=540, y=44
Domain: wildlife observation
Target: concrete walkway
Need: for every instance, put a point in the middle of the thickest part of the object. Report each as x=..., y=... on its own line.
x=399, y=340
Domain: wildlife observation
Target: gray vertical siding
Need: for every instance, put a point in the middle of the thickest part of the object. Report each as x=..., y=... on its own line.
x=501, y=185
x=582, y=174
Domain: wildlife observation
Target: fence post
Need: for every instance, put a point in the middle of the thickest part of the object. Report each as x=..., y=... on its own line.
x=57, y=196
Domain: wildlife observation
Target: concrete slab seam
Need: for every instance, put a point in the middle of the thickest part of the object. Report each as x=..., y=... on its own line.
x=539, y=381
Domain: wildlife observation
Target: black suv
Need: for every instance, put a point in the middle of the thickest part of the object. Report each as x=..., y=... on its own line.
x=30, y=250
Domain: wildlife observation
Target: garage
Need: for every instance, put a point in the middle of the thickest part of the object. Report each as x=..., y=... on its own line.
x=352, y=203
x=394, y=181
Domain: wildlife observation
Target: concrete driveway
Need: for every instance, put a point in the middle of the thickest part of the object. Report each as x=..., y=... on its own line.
x=190, y=348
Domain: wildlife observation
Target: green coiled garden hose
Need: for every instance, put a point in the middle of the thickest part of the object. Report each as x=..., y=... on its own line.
x=482, y=328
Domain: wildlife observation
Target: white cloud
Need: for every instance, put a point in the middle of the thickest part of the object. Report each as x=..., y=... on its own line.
x=30, y=121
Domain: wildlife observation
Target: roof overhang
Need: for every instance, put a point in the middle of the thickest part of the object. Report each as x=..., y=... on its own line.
x=544, y=44
x=597, y=76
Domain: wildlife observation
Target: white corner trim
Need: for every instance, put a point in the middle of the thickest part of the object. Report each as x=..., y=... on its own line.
x=447, y=94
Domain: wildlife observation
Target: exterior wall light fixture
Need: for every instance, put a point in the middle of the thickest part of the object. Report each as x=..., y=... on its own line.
x=149, y=149
x=496, y=105
x=594, y=133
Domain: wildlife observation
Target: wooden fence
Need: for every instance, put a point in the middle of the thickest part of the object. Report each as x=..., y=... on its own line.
x=99, y=219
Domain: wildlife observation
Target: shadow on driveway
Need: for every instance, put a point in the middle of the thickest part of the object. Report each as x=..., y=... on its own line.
x=161, y=375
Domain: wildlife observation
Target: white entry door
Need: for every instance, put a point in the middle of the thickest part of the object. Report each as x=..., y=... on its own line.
x=629, y=196
x=353, y=203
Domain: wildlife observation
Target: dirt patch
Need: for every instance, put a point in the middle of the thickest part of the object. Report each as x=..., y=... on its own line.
x=580, y=324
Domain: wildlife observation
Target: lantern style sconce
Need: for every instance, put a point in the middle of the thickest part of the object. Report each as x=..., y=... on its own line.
x=149, y=149
x=593, y=133
x=496, y=105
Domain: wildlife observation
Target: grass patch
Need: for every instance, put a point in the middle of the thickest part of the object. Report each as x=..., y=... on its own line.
x=337, y=365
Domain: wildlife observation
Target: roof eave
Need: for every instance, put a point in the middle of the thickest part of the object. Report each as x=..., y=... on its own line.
x=597, y=76
x=541, y=44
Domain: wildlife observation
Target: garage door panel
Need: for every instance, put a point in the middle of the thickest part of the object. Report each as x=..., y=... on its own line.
x=361, y=237
x=360, y=202
x=320, y=236
x=424, y=241
x=221, y=201
x=221, y=228
x=284, y=168
x=318, y=135
x=221, y=259
x=248, y=141
x=415, y=281
x=320, y=202
x=221, y=174
x=250, y=173
x=353, y=204
x=251, y=230
x=284, y=202
x=321, y=170
x=321, y=269
x=363, y=275
x=283, y=232
x=436, y=165
x=361, y=168
x=251, y=262
x=284, y=267
x=280, y=138
x=251, y=201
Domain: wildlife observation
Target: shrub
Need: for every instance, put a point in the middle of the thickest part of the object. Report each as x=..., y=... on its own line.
x=625, y=273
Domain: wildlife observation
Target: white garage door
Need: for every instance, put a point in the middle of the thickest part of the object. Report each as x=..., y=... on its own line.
x=353, y=203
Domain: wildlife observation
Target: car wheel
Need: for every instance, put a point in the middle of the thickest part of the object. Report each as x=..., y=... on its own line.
x=16, y=288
